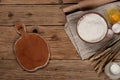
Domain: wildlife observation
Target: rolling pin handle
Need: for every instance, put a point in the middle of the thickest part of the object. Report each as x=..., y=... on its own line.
x=71, y=8
x=86, y=4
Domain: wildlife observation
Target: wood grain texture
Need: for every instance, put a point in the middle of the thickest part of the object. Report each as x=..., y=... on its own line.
x=30, y=1
x=65, y=63
x=56, y=70
x=38, y=1
x=71, y=1
x=59, y=43
x=32, y=14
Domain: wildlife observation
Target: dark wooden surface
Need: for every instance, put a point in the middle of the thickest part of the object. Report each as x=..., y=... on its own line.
x=65, y=63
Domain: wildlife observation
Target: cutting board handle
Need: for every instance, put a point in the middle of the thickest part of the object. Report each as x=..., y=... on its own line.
x=20, y=28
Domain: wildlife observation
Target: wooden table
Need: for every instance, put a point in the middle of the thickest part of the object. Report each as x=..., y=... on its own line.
x=65, y=63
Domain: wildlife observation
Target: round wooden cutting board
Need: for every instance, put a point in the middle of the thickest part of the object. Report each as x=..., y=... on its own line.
x=31, y=50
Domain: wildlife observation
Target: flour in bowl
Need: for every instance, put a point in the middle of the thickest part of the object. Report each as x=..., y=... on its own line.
x=92, y=27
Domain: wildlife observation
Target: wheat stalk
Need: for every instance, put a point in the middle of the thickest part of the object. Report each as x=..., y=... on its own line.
x=105, y=55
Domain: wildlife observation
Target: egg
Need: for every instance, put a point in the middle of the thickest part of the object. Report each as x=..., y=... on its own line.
x=115, y=68
x=116, y=28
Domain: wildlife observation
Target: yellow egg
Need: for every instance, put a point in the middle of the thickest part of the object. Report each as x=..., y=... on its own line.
x=113, y=15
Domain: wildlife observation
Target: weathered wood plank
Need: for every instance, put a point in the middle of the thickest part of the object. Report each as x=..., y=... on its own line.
x=71, y=1
x=55, y=70
x=32, y=14
x=38, y=1
x=30, y=1
x=59, y=43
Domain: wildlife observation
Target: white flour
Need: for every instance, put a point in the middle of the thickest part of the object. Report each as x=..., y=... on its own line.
x=92, y=27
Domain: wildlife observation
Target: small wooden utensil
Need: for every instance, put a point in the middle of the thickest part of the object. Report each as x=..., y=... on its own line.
x=31, y=50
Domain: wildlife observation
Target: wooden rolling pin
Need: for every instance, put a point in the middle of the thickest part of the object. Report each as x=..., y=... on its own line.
x=86, y=4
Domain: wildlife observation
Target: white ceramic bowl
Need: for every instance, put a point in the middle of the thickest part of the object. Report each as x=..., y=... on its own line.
x=109, y=73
